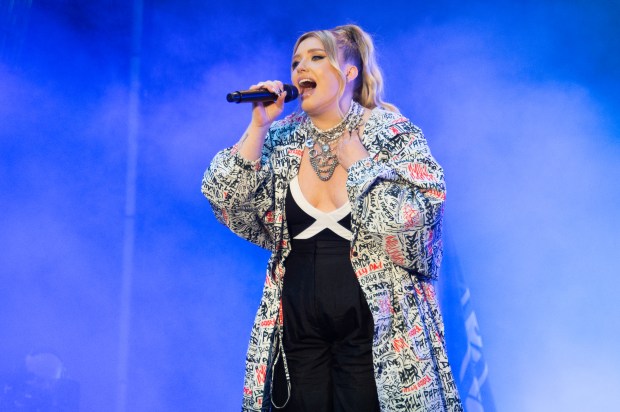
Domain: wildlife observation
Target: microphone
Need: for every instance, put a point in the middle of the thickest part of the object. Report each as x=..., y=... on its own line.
x=262, y=95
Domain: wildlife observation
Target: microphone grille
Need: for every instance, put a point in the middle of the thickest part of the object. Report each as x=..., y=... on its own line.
x=291, y=92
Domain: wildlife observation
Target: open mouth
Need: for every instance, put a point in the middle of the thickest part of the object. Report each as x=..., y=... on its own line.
x=306, y=85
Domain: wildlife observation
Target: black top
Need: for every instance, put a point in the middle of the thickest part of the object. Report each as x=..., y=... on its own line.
x=297, y=221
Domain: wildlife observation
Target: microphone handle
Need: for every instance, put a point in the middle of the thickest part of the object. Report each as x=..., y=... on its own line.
x=260, y=95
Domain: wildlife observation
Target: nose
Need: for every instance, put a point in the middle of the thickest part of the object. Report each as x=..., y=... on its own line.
x=301, y=66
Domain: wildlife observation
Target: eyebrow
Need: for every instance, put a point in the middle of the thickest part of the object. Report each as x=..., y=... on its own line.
x=310, y=51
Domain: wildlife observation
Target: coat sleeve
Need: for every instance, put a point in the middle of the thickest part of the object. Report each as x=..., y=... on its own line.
x=398, y=196
x=241, y=193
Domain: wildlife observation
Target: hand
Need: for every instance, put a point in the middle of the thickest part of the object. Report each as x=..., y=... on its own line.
x=351, y=149
x=263, y=114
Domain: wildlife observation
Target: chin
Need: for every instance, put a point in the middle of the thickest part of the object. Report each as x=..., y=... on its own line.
x=315, y=107
x=307, y=107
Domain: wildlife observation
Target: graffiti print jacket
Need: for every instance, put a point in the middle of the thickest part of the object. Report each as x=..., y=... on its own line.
x=396, y=197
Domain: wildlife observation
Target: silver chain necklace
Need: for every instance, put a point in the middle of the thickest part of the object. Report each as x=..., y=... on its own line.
x=319, y=143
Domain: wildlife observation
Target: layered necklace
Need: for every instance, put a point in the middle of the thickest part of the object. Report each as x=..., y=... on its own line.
x=319, y=142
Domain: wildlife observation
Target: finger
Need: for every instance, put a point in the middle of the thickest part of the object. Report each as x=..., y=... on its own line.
x=346, y=135
x=268, y=85
x=276, y=86
x=341, y=147
x=272, y=86
x=281, y=98
x=262, y=85
x=279, y=86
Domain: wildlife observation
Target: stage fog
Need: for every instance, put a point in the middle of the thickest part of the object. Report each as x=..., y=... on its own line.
x=113, y=265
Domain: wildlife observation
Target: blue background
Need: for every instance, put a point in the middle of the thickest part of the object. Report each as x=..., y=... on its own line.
x=519, y=100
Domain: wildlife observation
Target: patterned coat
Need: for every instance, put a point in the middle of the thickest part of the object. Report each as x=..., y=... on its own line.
x=396, y=198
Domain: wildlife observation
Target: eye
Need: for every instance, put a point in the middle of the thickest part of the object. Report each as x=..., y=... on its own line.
x=294, y=65
x=317, y=58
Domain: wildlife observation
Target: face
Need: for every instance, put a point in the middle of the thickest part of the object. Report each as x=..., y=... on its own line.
x=315, y=78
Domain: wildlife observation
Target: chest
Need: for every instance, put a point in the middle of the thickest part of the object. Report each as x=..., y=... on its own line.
x=323, y=195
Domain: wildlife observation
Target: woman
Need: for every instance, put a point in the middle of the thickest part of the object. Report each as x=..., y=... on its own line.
x=349, y=200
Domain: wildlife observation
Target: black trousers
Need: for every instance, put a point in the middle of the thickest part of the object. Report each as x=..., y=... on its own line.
x=328, y=331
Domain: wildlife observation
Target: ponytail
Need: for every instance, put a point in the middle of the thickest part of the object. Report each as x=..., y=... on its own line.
x=357, y=48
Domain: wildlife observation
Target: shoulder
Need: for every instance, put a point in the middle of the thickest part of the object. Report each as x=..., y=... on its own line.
x=390, y=132
x=394, y=123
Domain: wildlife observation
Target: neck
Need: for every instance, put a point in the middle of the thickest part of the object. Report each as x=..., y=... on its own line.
x=331, y=118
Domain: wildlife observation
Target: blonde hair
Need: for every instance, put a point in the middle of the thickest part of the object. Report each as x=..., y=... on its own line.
x=357, y=48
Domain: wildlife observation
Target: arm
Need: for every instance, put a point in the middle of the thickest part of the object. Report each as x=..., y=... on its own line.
x=398, y=197
x=241, y=193
x=238, y=183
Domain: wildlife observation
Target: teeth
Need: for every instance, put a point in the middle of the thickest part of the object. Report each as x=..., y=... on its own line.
x=307, y=83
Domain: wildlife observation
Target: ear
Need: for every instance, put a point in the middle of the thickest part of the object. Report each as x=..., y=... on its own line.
x=351, y=72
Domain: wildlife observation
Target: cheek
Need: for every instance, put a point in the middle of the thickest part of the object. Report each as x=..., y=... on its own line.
x=334, y=85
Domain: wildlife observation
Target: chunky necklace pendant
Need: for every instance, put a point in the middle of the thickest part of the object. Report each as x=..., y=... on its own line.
x=324, y=163
x=323, y=157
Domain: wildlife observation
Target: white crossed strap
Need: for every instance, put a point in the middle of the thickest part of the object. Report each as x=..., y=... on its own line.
x=324, y=220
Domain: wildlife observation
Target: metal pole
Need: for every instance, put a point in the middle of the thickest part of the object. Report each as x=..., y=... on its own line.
x=130, y=208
